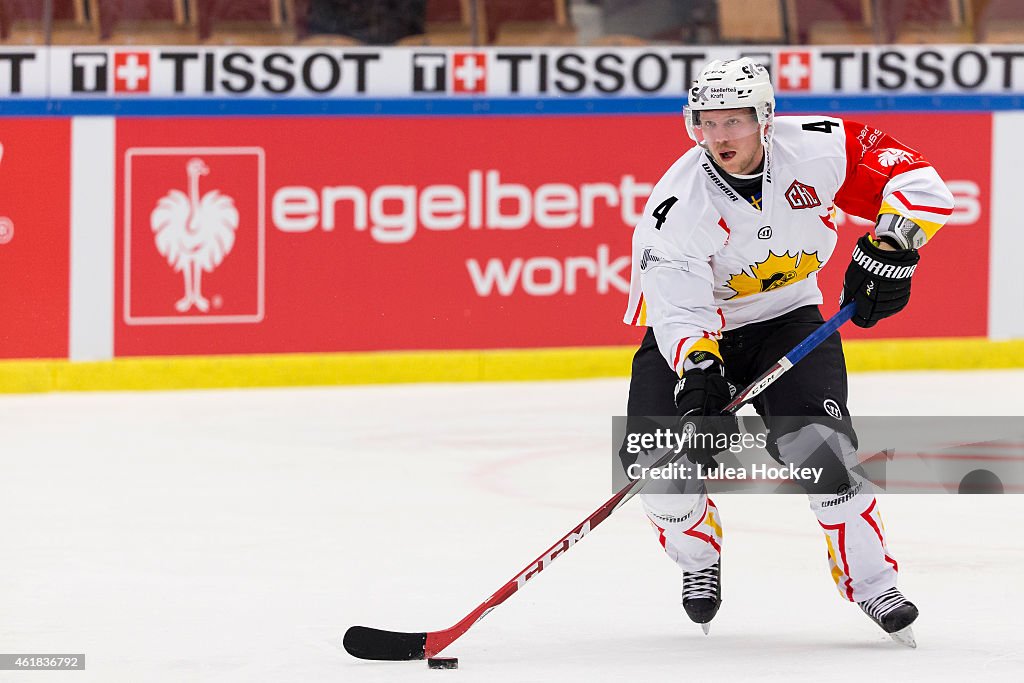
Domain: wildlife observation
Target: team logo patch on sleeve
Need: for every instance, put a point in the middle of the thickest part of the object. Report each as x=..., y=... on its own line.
x=776, y=271
x=890, y=156
x=801, y=196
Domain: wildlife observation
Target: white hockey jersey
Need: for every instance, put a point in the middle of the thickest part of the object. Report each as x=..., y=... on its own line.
x=706, y=260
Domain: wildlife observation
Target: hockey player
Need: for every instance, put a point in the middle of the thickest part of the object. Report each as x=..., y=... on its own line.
x=724, y=276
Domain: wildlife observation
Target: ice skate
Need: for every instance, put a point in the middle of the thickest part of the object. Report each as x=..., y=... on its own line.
x=702, y=595
x=894, y=613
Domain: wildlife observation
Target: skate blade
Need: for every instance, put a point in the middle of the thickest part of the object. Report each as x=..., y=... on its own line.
x=905, y=636
x=706, y=628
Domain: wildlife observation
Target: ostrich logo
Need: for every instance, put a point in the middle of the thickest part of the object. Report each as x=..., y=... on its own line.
x=194, y=233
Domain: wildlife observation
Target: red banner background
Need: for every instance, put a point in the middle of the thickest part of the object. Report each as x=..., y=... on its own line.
x=385, y=233
x=35, y=181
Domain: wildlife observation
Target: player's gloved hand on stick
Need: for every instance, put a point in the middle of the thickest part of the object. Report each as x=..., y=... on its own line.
x=701, y=395
x=878, y=280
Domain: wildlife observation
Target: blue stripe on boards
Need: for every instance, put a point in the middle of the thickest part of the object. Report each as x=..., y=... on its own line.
x=472, y=106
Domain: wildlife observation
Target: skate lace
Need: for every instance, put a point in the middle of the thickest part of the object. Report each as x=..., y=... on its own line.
x=881, y=605
x=701, y=584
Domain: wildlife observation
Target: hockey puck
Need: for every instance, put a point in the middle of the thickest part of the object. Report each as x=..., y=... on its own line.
x=443, y=662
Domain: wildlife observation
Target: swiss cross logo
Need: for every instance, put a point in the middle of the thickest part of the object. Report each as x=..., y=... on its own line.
x=802, y=196
x=131, y=72
x=469, y=72
x=194, y=235
x=794, y=71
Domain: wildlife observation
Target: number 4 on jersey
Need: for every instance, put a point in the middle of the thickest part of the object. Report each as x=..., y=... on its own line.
x=661, y=213
x=820, y=126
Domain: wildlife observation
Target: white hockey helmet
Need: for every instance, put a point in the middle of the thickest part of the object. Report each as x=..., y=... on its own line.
x=732, y=84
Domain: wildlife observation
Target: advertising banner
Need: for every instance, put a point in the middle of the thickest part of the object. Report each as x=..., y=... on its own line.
x=438, y=233
x=575, y=72
x=252, y=235
x=35, y=184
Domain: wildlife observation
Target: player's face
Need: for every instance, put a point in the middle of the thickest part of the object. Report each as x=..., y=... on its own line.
x=733, y=138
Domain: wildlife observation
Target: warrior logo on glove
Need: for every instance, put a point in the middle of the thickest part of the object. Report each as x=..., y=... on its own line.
x=878, y=280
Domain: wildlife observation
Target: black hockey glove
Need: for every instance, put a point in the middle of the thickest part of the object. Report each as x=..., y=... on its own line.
x=878, y=281
x=700, y=396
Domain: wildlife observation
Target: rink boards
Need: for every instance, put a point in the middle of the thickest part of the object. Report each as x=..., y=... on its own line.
x=464, y=247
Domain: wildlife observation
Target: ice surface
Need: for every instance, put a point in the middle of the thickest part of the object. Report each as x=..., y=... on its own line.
x=235, y=535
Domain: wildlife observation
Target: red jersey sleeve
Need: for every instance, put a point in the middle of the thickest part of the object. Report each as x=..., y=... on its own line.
x=883, y=175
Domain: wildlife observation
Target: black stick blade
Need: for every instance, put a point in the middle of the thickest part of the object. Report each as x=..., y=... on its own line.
x=392, y=646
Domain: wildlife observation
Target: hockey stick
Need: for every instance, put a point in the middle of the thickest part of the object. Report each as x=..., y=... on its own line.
x=371, y=643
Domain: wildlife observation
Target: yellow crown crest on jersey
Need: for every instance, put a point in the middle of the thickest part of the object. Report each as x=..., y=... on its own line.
x=775, y=272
